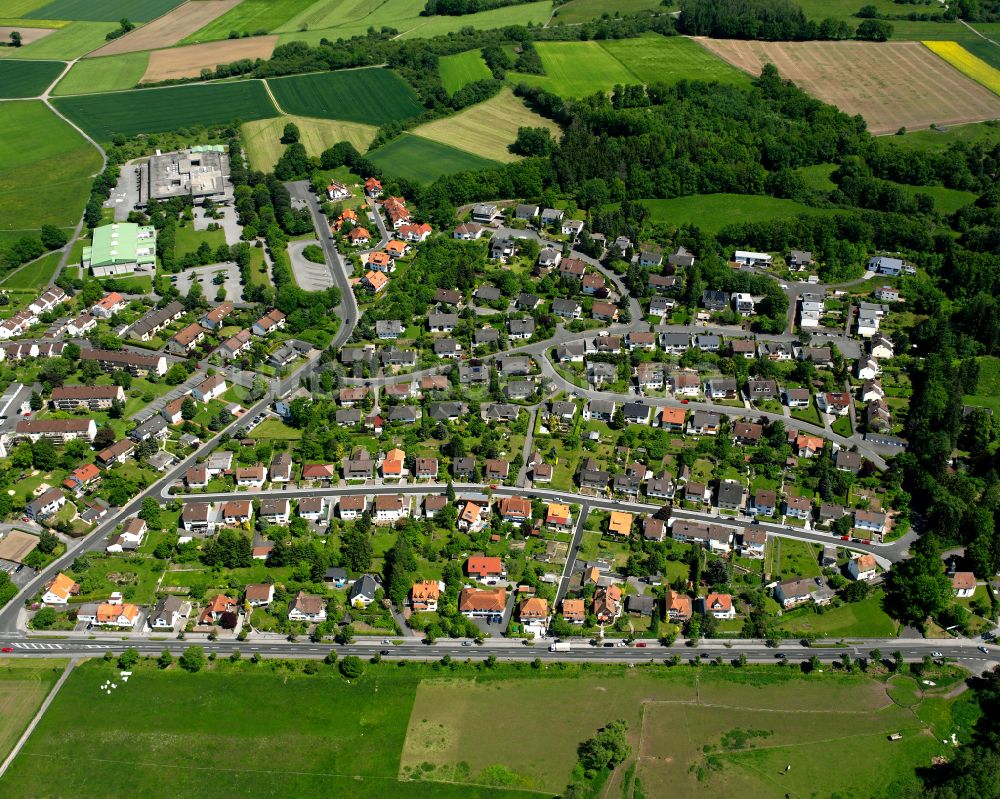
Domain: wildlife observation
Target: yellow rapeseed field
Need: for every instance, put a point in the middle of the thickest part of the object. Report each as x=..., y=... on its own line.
x=966, y=62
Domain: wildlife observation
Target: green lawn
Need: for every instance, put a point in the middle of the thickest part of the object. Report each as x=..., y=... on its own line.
x=275, y=428
x=712, y=212
x=817, y=177
x=577, y=11
x=946, y=201
x=24, y=684
x=842, y=426
x=27, y=78
x=106, y=74
x=34, y=275
x=48, y=182
x=422, y=160
x=988, y=389
x=864, y=619
x=188, y=239
x=462, y=68
x=789, y=558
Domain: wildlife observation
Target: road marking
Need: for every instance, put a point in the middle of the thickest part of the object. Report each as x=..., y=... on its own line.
x=20, y=645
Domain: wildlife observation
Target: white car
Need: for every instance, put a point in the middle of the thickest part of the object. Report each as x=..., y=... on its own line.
x=936, y=655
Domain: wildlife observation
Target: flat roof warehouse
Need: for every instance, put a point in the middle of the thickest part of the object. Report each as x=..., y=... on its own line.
x=200, y=173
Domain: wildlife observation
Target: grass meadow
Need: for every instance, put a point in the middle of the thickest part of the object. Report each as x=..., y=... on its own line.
x=487, y=128
x=24, y=684
x=104, y=10
x=58, y=166
x=262, y=137
x=35, y=274
x=577, y=11
x=946, y=200
x=712, y=212
x=250, y=16
x=27, y=78
x=411, y=731
x=370, y=96
x=988, y=388
x=576, y=69
x=75, y=40
x=461, y=69
x=107, y=74
x=171, y=108
x=422, y=160
x=855, y=619
x=985, y=133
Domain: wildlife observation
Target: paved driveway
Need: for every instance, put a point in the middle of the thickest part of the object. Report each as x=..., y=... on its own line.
x=309, y=276
x=205, y=274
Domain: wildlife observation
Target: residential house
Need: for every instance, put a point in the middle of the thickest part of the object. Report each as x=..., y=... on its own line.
x=352, y=506
x=313, y=509
x=607, y=604
x=212, y=387
x=764, y=502
x=250, y=476
x=730, y=495
x=718, y=605
x=391, y=508
x=672, y=418
x=862, y=567
x=214, y=610
x=557, y=516
x=275, y=511
x=798, y=507
x=485, y=569
x=747, y=433
x=185, y=341
x=497, y=469
x=722, y=388
x=678, y=606
x=307, y=607
x=870, y=521
x=753, y=541
x=364, y=591
x=237, y=511
x=214, y=317
x=963, y=584
x=424, y=595
x=479, y=603
x=715, y=300
x=790, y=593
x=704, y=423
x=59, y=590
x=259, y=595
x=268, y=323
x=797, y=397
x=574, y=611
x=168, y=612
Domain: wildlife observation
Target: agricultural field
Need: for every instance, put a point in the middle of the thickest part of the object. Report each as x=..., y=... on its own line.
x=422, y=160
x=486, y=129
x=938, y=140
x=370, y=96
x=954, y=32
x=966, y=63
x=461, y=69
x=712, y=212
x=577, y=11
x=27, y=78
x=171, y=108
x=108, y=74
x=104, y=10
x=75, y=40
x=28, y=35
x=58, y=166
x=24, y=684
x=188, y=62
x=250, y=16
x=428, y=730
x=19, y=8
x=892, y=85
x=576, y=69
x=846, y=9
x=342, y=19
x=264, y=148
x=170, y=28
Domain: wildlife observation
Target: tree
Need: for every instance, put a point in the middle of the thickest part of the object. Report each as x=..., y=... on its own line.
x=874, y=30
x=533, y=142
x=606, y=750
x=150, y=513
x=188, y=409
x=165, y=659
x=44, y=619
x=47, y=543
x=53, y=238
x=128, y=658
x=104, y=438
x=352, y=667
x=193, y=659
x=290, y=135
x=356, y=551
x=43, y=455
x=176, y=374
x=15, y=38
x=917, y=588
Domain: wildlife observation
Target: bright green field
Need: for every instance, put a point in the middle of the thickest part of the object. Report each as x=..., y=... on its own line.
x=583, y=10
x=712, y=212
x=24, y=684
x=370, y=96
x=845, y=9
x=73, y=41
x=107, y=74
x=946, y=200
x=952, y=31
x=988, y=389
x=47, y=182
x=34, y=275
x=461, y=69
x=104, y=10
x=416, y=732
x=27, y=78
x=422, y=160
x=342, y=19
x=19, y=8
x=249, y=16
x=817, y=177
x=576, y=69
x=157, y=110
x=855, y=619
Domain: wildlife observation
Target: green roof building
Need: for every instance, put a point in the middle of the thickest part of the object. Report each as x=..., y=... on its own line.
x=120, y=249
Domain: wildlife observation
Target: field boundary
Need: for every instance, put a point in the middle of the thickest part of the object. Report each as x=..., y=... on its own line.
x=16, y=749
x=967, y=63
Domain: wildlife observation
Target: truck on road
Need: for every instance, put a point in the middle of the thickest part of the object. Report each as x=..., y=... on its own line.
x=560, y=646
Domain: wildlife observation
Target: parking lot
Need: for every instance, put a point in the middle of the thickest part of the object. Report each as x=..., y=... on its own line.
x=309, y=276
x=126, y=194
x=206, y=274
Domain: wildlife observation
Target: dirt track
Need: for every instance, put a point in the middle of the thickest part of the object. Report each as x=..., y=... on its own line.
x=170, y=28
x=891, y=85
x=188, y=62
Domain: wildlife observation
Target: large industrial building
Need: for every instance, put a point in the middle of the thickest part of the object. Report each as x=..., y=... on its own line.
x=201, y=173
x=120, y=248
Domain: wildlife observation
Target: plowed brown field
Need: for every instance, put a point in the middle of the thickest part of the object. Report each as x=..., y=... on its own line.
x=170, y=28
x=188, y=62
x=891, y=85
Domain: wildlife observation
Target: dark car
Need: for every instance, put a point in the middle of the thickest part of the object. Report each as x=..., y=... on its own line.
x=608, y=644
x=383, y=651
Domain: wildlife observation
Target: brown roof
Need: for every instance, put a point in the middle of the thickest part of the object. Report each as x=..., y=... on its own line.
x=308, y=603
x=189, y=334
x=475, y=599
x=961, y=581
x=355, y=502
x=53, y=425
x=85, y=392
x=259, y=592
